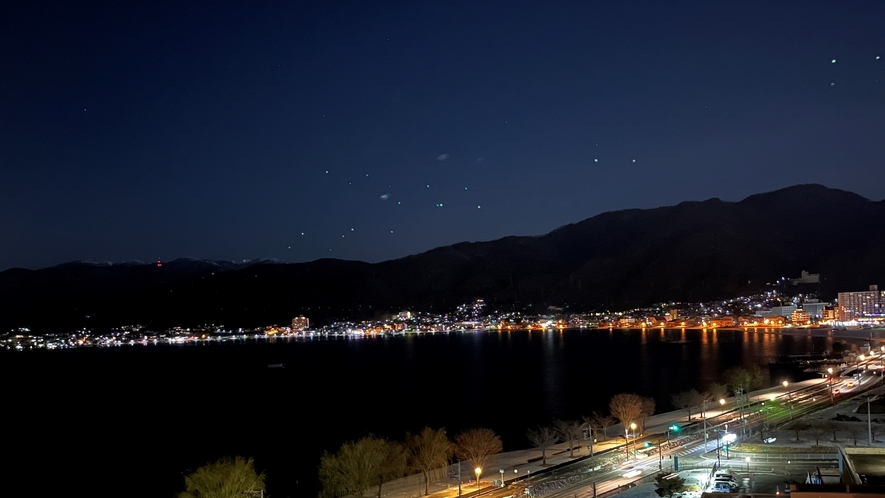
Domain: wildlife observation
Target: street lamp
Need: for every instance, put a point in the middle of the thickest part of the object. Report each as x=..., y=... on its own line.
x=748, y=464
x=789, y=397
x=502, y=477
x=478, y=472
x=721, y=402
x=830, y=375
x=633, y=426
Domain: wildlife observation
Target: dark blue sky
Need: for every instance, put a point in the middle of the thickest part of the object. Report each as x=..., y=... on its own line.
x=227, y=129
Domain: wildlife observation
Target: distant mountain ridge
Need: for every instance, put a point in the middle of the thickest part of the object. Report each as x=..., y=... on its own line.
x=691, y=251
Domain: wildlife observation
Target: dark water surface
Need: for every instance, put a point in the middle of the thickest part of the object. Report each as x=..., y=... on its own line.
x=129, y=421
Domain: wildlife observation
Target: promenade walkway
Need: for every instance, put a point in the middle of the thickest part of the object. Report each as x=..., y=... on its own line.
x=519, y=463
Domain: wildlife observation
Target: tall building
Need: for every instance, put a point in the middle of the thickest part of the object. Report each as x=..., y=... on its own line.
x=300, y=323
x=854, y=305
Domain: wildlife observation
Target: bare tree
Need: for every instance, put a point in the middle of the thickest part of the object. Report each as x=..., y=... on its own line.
x=543, y=439
x=832, y=426
x=593, y=425
x=627, y=408
x=428, y=450
x=648, y=409
x=743, y=380
x=684, y=400
x=854, y=429
x=569, y=432
x=700, y=399
x=604, y=421
x=717, y=392
x=797, y=426
x=394, y=461
x=477, y=445
x=876, y=430
x=360, y=464
x=817, y=430
x=224, y=478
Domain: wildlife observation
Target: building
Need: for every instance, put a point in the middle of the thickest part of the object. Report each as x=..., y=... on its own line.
x=800, y=317
x=806, y=278
x=300, y=324
x=815, y=308
x=862, y=304
x=828, y=314
x=722, y=321
x=861, y=472
x=783, y=311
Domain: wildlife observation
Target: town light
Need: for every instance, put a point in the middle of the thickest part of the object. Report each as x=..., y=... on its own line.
x=721, y=402
x=478, y=471
x=785, y=383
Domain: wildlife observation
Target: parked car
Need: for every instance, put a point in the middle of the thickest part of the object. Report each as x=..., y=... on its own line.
x=769, y=440
x=721, y=487
x=732, y=485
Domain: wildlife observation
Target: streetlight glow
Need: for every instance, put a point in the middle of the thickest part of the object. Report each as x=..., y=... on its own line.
x=721, y=402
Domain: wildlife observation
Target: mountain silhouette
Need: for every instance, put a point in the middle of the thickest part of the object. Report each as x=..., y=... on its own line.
x=688, y=252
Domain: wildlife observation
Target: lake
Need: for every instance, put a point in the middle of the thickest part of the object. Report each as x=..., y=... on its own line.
x=130, y=421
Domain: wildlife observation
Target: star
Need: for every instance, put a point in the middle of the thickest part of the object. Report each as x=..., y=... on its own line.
x=833, y=61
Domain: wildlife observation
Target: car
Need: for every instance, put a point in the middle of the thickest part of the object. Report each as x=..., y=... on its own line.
x=837, y=392
x=732, y=485
x=769, y=440
x=720, y=487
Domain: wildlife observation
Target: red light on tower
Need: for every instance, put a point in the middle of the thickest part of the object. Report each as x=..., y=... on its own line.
x=159, y=263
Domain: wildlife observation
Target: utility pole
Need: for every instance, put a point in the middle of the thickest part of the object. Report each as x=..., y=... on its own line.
x=459, y=477
x=660, y=454
x=869, y=422
x=705, y=435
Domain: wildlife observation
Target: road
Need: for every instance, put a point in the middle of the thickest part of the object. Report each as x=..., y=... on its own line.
x=651, y=453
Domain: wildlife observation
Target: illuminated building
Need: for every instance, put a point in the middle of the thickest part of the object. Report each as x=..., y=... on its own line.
x=300, y=323
x=800, y=317
x=853, y=305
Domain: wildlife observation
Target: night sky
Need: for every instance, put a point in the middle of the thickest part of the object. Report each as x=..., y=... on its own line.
x=374, y=130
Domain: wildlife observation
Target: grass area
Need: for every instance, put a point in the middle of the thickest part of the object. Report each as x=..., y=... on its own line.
x=767, y=448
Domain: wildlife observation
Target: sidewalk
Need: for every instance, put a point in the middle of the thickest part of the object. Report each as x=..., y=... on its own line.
x=516, y=463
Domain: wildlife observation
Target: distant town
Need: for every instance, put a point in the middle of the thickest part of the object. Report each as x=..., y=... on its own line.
x=772, y=309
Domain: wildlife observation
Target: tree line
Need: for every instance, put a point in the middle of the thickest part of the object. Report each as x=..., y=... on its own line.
x=370, y=462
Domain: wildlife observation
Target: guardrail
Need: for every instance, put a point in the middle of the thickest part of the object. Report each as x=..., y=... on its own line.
x=780, y=457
